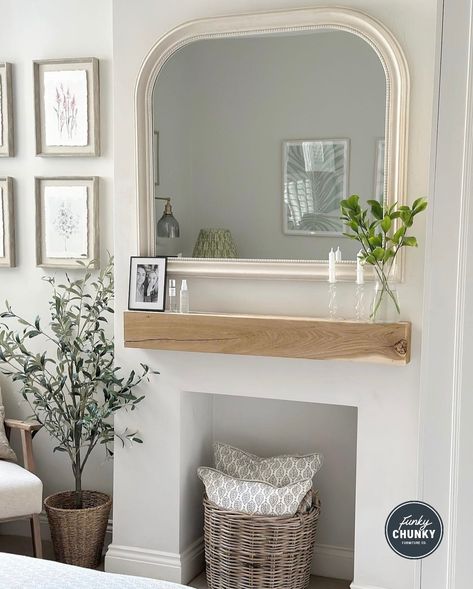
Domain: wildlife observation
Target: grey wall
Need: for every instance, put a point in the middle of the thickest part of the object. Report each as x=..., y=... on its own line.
x=223, y=109
x=268, y=427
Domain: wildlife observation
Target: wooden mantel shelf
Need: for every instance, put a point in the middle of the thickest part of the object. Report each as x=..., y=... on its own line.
x=258, y=335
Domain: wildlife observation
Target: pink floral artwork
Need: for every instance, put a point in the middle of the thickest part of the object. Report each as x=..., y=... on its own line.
x=65, y=108
x=66, y=111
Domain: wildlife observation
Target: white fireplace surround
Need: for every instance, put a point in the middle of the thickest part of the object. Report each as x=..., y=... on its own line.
x=266, y=427
x=411, y=431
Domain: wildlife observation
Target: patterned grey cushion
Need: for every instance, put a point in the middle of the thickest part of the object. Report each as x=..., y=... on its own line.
x=253, y=497
x=278, y=470
x=6, y=453
x=306, y=503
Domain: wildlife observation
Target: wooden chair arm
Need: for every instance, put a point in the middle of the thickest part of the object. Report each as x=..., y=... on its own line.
x=29, y=426
x=27, y=430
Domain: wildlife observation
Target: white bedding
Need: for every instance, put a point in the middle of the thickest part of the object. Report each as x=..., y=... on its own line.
x=23, y=572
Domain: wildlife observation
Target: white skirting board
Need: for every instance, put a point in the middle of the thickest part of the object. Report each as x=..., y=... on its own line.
x=357, y=586
x=167, y=566
x=22, y=528
x=333, y=561
x=329, y=561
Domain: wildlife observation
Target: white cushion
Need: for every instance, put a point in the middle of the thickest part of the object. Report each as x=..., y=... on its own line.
x=6, y=452
x=253, y=497
x=277, y=470
x=21, y=492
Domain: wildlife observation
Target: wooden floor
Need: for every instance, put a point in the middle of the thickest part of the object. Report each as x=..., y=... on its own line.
x=316, y=583
x=22, y=545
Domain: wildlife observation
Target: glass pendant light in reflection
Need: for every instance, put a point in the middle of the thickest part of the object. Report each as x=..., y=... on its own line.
x=167, y=226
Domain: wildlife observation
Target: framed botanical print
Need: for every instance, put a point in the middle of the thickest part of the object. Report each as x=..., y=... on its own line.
x=147, y=286
x=7, y=223
x=67, y=221
x=6, y=111
x=67, y=109
x=315, y=180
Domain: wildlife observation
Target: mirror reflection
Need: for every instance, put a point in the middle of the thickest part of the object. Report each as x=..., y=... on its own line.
x=257, y=139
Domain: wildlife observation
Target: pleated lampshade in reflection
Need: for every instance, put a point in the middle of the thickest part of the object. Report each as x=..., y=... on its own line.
x=215, y=243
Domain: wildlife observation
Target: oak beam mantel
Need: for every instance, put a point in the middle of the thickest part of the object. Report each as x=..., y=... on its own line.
x=257, y=335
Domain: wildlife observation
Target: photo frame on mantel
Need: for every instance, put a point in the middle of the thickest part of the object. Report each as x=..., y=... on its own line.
x=67, y=107
x=6, y=111
x=7, y=223
x=147, y=284
x=67, y=222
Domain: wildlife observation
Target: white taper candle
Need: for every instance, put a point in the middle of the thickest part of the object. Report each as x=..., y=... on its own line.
x=332, y=277
x=360, y=276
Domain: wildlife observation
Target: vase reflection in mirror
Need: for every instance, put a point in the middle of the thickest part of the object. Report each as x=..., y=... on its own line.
x=167, y=231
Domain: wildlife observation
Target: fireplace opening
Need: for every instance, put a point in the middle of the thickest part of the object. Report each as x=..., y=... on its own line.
x=269, y=427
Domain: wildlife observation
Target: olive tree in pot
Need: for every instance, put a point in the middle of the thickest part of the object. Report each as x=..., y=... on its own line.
x=73, y=388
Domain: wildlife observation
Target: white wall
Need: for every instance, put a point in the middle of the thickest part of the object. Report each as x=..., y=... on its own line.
x=387, y=397
x=223, y=108
x=43, y=30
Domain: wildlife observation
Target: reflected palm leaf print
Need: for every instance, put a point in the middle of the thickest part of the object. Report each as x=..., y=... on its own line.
x=314, y=185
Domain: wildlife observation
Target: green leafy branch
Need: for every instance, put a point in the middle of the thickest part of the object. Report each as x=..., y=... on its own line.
x=382, y=232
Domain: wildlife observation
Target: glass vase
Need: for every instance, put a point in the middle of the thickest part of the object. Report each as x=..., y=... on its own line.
x=385, y=307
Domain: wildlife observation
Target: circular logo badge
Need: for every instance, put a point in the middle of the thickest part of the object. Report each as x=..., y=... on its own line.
x=414, y=529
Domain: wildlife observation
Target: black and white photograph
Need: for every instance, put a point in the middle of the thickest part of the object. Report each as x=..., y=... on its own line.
x=147, y=283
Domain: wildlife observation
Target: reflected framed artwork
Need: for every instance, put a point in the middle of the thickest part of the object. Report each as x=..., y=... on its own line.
x=7, y=223
x=315, y=180
x=6, y=111
x=379, y=175
x=67, y=222
x=67, y=107
x=147, y=286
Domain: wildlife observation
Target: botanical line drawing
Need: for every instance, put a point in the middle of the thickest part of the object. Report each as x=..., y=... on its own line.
x=2, y=225
x=66, y=111
x=66, y=223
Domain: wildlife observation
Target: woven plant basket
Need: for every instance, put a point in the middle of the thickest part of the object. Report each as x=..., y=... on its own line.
x=258, y=552
x=78, y=534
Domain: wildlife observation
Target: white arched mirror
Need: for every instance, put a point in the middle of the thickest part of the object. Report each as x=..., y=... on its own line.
x=251, y=129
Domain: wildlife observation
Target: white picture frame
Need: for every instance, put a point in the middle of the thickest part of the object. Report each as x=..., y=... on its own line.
x=379, y=170
x=6, y=111
x=147, y=284
x=67, y=107
x=7, y=223
x=315, y=180
x=67, y=216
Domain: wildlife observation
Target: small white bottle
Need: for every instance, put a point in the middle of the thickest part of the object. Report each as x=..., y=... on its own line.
x=184, y=298
x=172, y=296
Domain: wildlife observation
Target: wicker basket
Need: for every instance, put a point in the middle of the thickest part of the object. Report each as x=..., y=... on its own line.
x=257, y=552
x=78, y=534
